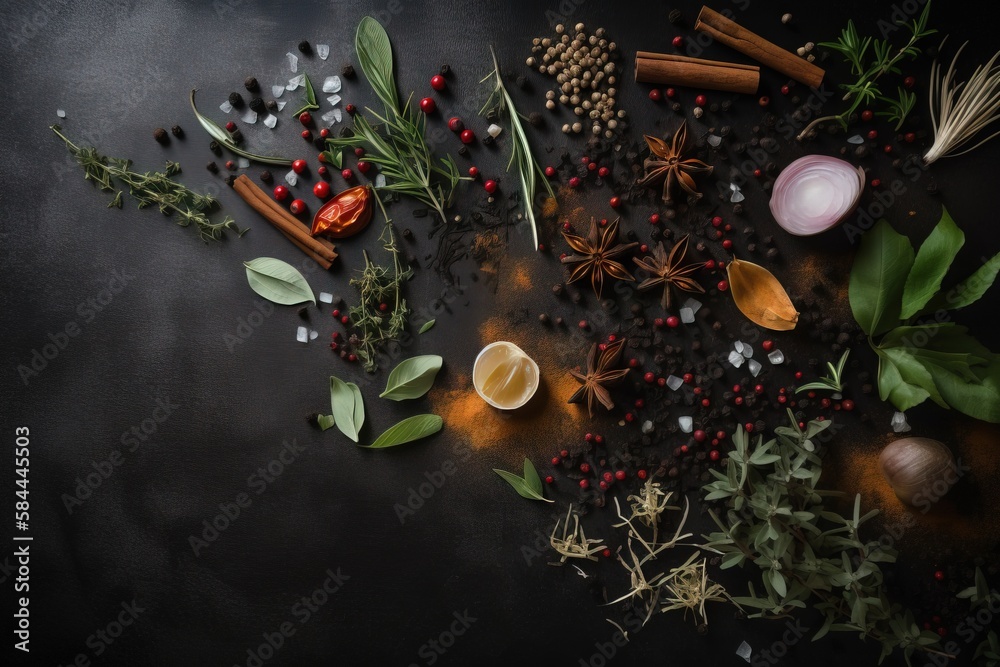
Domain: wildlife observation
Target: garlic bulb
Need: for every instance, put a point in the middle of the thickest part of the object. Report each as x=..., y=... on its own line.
x=920, y=470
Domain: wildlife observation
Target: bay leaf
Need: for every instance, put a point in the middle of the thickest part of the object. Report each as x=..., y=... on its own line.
x=877, y=278
x=427, y=326
x=968, y=291
x=933, y=259
x=342, y=401
x=278, y=281
x=760, y=296
x=529, y=486
x=359, y=408
x=408, y=430
x=412, y=378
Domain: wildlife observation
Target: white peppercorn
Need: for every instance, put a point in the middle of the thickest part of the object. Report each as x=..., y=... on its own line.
x=578, y=127
x=550, y=104
x=566, y=128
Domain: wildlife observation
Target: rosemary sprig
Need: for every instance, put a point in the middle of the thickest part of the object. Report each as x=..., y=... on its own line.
x=222, y=135
x=520, y=155
x=865, y=89
x=151, y=189
x=834, y=381
x=379, y=285
x=402, y=155
x=311, y=104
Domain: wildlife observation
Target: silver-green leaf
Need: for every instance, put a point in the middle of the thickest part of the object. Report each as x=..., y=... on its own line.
x=344, y=400
x=325, y=422
x=278, y=281
x=412, y=378
x=529, y=486
x=427, y=326
x=408, y=430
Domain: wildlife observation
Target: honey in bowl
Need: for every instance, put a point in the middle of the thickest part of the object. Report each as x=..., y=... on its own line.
x=504, y=376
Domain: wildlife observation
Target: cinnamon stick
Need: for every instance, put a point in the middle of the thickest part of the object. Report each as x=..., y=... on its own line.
x=695, y=72
x=320, y=250
x=735, y=36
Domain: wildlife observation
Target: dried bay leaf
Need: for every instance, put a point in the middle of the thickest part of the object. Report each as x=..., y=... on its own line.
x=760, y=296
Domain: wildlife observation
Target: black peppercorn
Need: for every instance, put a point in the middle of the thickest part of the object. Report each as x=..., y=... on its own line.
x=408, y=234
x=675, y=16
x=543, y=318
x=237, y=135
x=257, y=104
x=675, y=107
x=236, y=100
x=319, y=143
x=463, y=151
x=212, y=167
x=536, y=119
x=161, y=135
x=266, y=176
x=347, y=71
x=177, y=131
x=304, y=47
x=488, y=140
x=772, y=253
x=251, y=83
x=445, y=69
x=215, y=148
x=272, y=105
x=230, y=180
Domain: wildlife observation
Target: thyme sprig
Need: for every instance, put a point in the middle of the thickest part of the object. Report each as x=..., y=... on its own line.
x=865, y=89
x=379, y=285
x=151, y=189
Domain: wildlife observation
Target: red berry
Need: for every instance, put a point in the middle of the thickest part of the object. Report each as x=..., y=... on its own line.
x=764, y=101
x=649, y=377
x=768, y=345
x=592, y=166
x=359, y=152
x=428, y=105
x=582, y=324
x=701, y=100
x=574, y=182
x=584, y=467
x=555, y=460
x=798, y=375
x=280, y=193
x=716, y=221
x=876, y=182
x=352, y=357
x=346, y=174
x=608, y=476
x=585, y=160
x=298, y=206
x=467, y=136
x=654, y=219
x=606, y=553
x=910, y=137
x=305, y=118
x=455, y=124
x=550, y=479
x=344, y=319
x=641, y=474
x=677, y=42
x=615, y=202
x=847, y=404
x=887, y=148
x=784, y=90
x=673, y=322
x=550, y=172
x=322, y=171
x=230, y=165
x=655, y=95
x=710, y=264
x=490, y=186
x=603, y=172
x=699, y=436
x=939, y=575
x=438, y=82
x=364, y=167
x=307, y=135
x=324, y=132
x=723, y=285
x=867, y=115
x=909, y=81
x=659, y=322
x=335, y=313
x=872, y=134
x=727, y=244
x=588, y=437
x=350, y=108
x=322, y=189
x=473, y=172
x=670, y=93
x=757, y=173
x=230, y=126
x=299, y=166
x=714, y=455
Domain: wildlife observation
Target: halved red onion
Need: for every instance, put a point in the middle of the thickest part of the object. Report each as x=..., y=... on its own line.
x=816, y=193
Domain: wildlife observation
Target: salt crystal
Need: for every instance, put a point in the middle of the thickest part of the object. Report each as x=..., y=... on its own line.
x=243, y=163
x=278, y=90
x=293, y=61
x=380, y=181
x=291, y=178
x=334, y=100
x=494, y=130
x=693, y=304
x=714, y=140
x=744, y=651
x=226, y=107
x=302, y=335
x=337, y=115
x=747, y=351
x=836, y=396
x=325, y=297
x=281, y=105
x=898, y=423
x=61, y=113
x=856, y=139
x=686, y=424
x=647, y=427
x=674, y=382
x=738, y=346
x=250, y=117
x=687, y=315
x=776, y=357
x=313, y=334
x=329, y=117
x=331, y=84
x=270, y=120
x=295, y=82
x=736, y=359
x=323, y=51
x=754, y=367
x=737, y=195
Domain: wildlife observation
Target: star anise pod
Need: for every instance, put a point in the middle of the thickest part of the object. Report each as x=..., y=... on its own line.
x=596, y=255
x=601, y=373
x=668, y=271
x=665, y=163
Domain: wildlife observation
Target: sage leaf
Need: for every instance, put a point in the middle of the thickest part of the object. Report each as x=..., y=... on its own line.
x=912, y=372
x=412, y=378
x=969, y=290
x=375, y=56
x=278, y=281
x=428, y=325
x=977, y=399
x=529, y=486
x=342, y=401
x=325, y=422
x=408, y=430
x=892, y=388
x=934, y=256
x=877, y=278
x=359, y=408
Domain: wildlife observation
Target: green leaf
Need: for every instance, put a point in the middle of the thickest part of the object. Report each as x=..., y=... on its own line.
x=278, y=281
x=934, y=257
x=968, y=291
x=892, y=388
x=530, y=486
x=412, y=378
x=976, y=399
x=310, y=97
x=427, y=326
x=913, y=372
x=375, y=56
x=223, y=137
x=408, y=430
x=342, y=401
x=359, y=408
x=877, y=278
x=325, y=421
x=778, y=582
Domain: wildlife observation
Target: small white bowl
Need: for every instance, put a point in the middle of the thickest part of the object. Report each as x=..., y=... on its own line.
x=476, y=380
